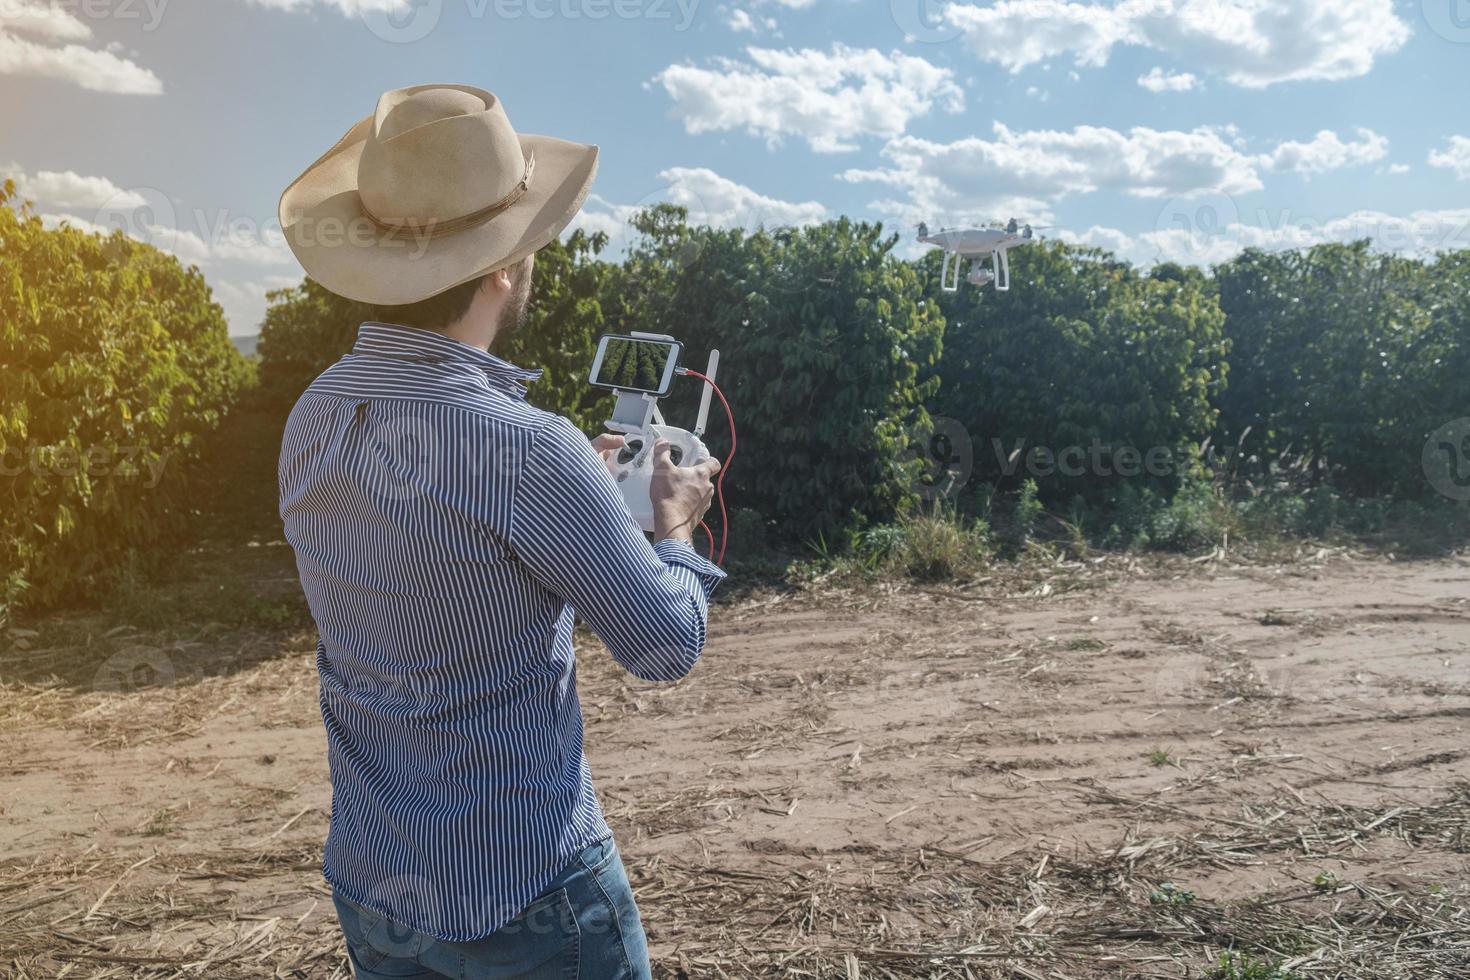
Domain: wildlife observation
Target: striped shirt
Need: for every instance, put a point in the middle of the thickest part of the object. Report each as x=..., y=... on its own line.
x=447, y=534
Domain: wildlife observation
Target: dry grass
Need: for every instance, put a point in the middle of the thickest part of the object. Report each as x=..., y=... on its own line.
x=896, y=903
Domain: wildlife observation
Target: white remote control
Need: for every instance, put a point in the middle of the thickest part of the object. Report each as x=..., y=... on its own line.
x=637, y=418
x=633, y=466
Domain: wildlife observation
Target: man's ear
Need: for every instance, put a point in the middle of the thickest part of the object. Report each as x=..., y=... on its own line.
x=498, y=281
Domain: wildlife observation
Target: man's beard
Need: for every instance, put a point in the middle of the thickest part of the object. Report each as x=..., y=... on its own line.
x=517, y=305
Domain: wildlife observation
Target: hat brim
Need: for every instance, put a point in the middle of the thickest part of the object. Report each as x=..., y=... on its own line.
x=342, y=248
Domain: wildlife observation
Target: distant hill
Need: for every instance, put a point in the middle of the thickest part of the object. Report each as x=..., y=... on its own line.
x=246, y=345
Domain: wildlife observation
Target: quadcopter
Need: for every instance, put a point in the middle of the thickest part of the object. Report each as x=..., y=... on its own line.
x=972, y=244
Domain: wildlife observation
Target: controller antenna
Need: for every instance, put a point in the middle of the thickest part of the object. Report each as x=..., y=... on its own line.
x=709, y=387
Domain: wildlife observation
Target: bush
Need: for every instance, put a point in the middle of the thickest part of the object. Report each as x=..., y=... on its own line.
x=923, y=544
x=115, y=362
x=1346, y=357
x=1086, y=358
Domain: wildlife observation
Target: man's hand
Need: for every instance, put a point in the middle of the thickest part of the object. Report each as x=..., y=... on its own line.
x=680, y=494
x=607, y=446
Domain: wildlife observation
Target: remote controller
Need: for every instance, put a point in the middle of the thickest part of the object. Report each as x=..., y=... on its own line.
x=633, y=467
x=637, y=418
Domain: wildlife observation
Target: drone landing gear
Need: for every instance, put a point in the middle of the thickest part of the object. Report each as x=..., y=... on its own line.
x=1000, y=261
x=949, y=273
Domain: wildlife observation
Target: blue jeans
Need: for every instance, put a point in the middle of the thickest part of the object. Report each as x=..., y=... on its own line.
x=584, y=926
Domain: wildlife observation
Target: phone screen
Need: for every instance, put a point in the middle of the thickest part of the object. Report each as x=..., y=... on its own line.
x=635, y=364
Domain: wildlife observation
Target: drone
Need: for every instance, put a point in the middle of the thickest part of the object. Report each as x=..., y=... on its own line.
x=972, y=244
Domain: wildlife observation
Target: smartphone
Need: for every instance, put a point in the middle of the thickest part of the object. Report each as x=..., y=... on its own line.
x=635, y=364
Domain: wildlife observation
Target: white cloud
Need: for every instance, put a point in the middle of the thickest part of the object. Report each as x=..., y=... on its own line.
x=721, y=202
x=68, y=189
x=1017, y=33
x=1022, y=172
x=1159, y=80
x=1208, y=243
x=1327, y=151
x=1252, y=43
x=40, y=39
x=742, y=21
x=1455, y=157
x=827, y=98
x=1026, y=172
x=710, y=199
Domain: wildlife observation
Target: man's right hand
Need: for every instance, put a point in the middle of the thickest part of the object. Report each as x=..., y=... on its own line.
x=681, y=494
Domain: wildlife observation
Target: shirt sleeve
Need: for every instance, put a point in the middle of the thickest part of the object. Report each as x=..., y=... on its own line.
x=571, y=529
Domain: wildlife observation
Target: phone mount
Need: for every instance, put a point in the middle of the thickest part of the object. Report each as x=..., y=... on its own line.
x=637, y=418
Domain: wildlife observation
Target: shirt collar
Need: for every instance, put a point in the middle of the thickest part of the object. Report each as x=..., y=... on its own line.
x=415, y=344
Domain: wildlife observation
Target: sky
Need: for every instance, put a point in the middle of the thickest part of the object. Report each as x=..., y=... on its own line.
x=1165, y=130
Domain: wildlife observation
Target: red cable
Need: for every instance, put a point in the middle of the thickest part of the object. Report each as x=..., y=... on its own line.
x=724, y=468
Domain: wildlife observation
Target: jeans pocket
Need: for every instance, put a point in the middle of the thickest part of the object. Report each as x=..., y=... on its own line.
x=544, y=942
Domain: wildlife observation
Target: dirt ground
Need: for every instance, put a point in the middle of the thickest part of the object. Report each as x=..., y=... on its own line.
x=1074, y=769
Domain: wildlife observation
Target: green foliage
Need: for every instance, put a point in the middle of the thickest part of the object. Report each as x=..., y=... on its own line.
x=1080, y=370
x=1346, y=358
x=1029, y=511
x=931, y=545
x=923, y=544
x=1242, y=966
x=1088, y=390
x=115, y=362
x=1168, y=893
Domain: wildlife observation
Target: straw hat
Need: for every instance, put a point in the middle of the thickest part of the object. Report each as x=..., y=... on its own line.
x=432, y=190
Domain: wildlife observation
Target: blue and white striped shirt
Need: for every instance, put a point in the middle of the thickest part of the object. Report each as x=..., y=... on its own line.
x=447, y=533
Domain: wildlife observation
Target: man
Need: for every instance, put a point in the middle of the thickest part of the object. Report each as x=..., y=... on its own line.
x=447, y=534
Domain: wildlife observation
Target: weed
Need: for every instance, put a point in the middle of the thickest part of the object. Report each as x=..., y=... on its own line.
x=1171, y=895
x=161, y=824
x=1241, y=966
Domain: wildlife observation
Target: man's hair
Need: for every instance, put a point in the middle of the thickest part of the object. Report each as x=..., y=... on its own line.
x=434, y=313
